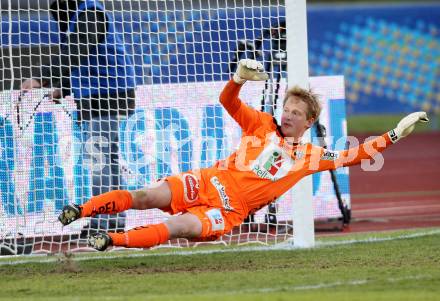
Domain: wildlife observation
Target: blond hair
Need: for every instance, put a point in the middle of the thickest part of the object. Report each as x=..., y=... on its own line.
x=310, y=98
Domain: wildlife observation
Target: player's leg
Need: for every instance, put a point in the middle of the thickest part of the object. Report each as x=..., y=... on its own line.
x=157, y=195
x=186, y=225
x=202, y=219
x=106, y=176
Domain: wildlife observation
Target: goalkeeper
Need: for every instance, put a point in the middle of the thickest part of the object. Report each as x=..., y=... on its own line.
x=208, y=203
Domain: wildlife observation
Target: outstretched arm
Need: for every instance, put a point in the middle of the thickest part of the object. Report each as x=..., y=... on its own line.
x=244, y=115
x=229, y=97
x=325, y=159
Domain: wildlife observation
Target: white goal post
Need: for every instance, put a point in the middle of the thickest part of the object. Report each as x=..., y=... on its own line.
x=298, y=74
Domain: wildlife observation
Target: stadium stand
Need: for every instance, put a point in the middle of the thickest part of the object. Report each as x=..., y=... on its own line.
x=390, y=62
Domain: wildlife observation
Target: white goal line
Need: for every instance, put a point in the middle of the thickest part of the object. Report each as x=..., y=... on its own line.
x=45, y=258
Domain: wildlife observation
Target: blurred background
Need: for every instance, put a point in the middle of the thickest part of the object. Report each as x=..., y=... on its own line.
x=389, y=52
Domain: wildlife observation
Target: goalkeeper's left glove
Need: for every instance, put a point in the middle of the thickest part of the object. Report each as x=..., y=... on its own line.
x=249, y=70
x=406, y=125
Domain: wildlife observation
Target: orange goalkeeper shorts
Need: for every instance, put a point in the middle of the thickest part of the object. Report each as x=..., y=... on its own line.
x=209, y=196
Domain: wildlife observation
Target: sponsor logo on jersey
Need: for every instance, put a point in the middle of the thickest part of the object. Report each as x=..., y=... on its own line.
x=191, y=188
x=216, y=218
x=222, y=193
x=273, y=163
x=330, y=156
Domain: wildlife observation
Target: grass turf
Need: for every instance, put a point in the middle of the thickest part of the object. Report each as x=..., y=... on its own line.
x=394, y=269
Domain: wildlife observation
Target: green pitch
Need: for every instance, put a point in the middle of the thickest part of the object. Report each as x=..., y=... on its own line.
x=401, y=265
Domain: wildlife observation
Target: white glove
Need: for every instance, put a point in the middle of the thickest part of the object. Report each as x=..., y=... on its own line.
x=406, y=125
x=249, y=70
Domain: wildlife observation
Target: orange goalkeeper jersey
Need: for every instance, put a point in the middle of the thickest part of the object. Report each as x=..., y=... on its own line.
x=265, y=166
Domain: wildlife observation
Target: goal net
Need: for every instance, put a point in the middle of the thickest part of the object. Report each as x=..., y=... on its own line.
x=77, y=132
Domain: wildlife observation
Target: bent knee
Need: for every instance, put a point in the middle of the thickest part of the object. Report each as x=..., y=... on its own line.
x=157, y=195
x=184, y=226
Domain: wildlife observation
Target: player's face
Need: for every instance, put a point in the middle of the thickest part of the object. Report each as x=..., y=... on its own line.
x=294, y=120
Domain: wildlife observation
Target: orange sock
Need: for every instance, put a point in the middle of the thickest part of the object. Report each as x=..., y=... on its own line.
x=142, y=237
x=110, y=202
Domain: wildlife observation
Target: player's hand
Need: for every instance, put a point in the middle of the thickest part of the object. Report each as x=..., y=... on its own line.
x=30, y=84
x=249, y=70
x=407, y=124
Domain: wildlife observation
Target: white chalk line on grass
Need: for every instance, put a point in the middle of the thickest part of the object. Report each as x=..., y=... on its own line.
x=377, y=239
x=317, y=286
x=44, y=258
x=285, y=288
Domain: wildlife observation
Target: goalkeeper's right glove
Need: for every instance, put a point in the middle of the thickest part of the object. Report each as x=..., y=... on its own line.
x=406, y=125
x=249, y=70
